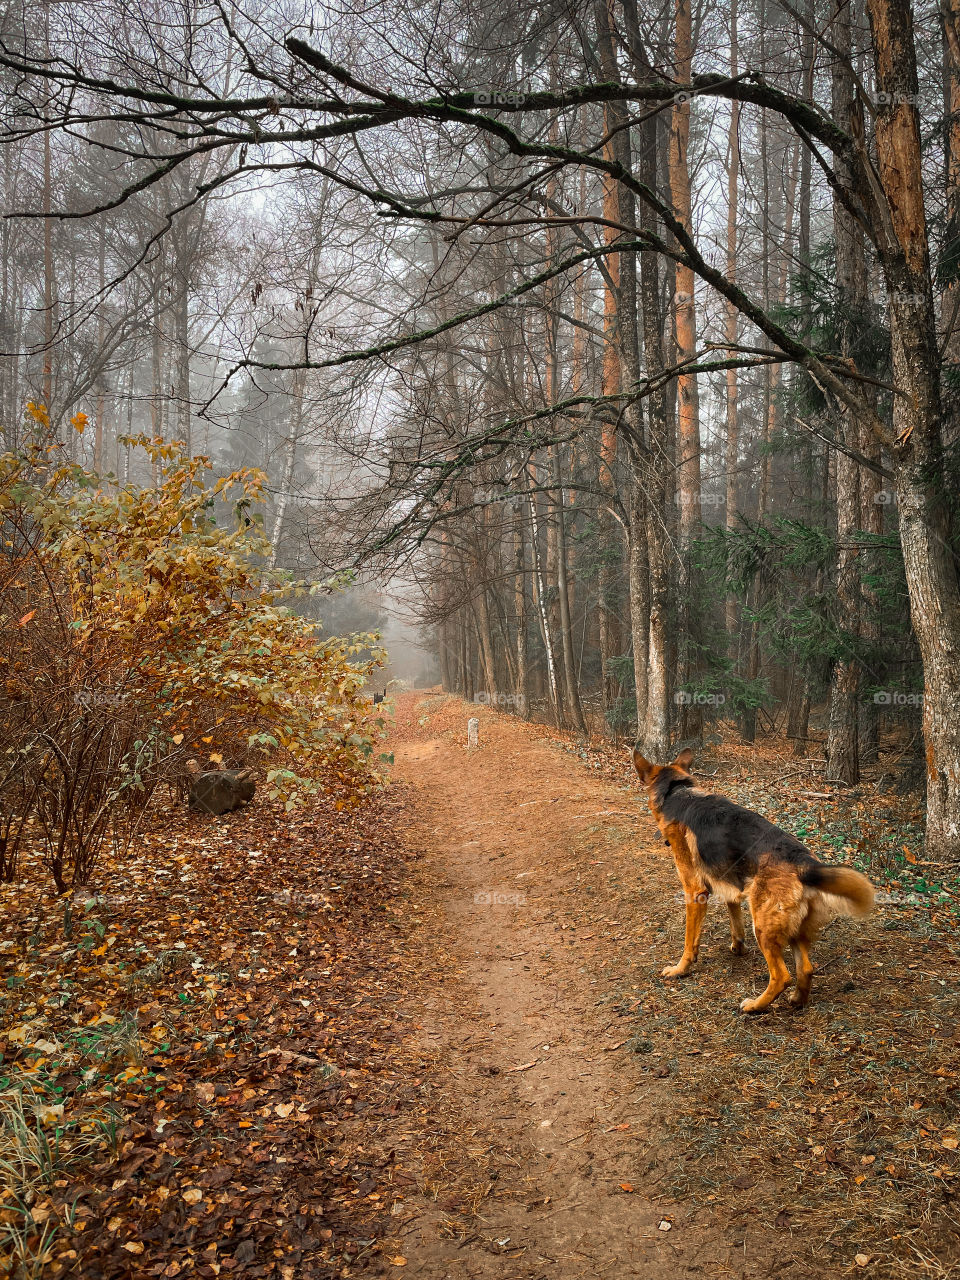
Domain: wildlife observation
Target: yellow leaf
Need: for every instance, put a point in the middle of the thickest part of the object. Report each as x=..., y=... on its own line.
x=193, y=1195
x=950, y=1143
x=177, y=738
x=133, y=1246
x=399, y=1260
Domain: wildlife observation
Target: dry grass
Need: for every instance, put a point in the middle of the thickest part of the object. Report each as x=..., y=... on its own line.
x=36, y=1149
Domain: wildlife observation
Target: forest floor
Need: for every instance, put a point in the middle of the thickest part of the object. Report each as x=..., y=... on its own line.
x=611, y=1122
x=431, y=1038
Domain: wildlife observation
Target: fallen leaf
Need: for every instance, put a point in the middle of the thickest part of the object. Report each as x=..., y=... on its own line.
x=193, y=1195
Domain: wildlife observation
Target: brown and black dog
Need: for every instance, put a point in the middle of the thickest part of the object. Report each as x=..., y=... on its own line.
x=734, y=853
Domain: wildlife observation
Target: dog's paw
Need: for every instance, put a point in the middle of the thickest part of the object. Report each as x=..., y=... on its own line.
x=737, y=946
x=676, y=971
x=797, y=1000
x=750, y=1006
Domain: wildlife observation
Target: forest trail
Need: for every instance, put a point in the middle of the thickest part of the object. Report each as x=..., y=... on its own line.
x=527, y=1019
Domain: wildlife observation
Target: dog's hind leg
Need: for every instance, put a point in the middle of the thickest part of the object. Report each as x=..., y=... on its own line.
x=771, y=944
x=801, y=954
x=737, y=934
x=776, y=898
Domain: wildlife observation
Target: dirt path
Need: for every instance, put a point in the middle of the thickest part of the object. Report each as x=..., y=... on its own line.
x=526, y=1029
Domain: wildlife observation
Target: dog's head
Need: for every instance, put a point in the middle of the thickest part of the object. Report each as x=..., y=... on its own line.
x=657, y=779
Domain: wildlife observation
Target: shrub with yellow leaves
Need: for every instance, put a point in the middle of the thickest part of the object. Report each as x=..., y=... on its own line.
x=141, y=628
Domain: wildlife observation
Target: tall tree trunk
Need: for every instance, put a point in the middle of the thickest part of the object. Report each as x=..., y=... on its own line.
x=654, y=731
x=843, y=750
x=156, y=398
x=950, y=301
x=539, y=590
x=685, y=320
x=446, y=665
x=47, y=275
x=929, y=563
x=481, y=610
x=732, y=452
x=101, y=354
x=798, y=712
x=520, y=604
x=612, y=378
x=563, y=591
x=639, y=574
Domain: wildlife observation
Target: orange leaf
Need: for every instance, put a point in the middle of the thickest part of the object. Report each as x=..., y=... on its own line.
x=26, y=618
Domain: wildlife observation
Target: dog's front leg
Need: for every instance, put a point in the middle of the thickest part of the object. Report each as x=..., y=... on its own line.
x=696, y=897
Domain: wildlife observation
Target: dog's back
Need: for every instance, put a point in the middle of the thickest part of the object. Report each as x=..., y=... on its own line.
x=730, y=840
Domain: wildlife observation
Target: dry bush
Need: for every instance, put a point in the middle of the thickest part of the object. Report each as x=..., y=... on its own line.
x=137, y=630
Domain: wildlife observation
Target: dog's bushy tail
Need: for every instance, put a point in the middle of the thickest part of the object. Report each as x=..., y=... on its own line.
x=853, y=891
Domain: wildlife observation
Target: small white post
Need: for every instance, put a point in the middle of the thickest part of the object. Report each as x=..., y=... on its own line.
x=473, y=733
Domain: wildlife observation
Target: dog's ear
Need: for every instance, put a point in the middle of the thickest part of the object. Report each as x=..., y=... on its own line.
x=644, y=768
x=684, y=759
